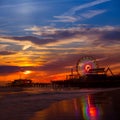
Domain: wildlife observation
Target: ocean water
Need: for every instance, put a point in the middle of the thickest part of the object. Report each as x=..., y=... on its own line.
x=60, y=104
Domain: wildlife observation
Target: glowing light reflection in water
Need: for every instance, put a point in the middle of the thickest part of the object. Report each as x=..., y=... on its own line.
x=90, y=107
x=90, y=110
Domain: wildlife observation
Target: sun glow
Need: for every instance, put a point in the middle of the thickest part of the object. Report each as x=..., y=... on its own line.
x=27, y=72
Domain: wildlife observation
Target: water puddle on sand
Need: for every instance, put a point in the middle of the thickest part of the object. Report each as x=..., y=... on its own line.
x=99, y=106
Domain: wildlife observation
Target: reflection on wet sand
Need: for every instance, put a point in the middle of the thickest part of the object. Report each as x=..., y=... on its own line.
x=100, y=106
x=89, y=109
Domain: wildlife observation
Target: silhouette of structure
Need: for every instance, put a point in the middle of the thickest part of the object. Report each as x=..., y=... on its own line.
x=21, y=83
x=89, y=74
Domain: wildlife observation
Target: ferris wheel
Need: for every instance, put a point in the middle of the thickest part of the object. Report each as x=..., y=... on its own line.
x=84, y=64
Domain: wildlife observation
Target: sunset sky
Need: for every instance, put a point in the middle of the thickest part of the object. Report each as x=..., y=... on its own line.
x=45, y=38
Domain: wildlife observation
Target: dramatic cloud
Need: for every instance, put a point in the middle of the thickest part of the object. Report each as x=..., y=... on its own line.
x=8, y=69
x=48, y=37
x=6, y=52
x=66, y=39
x=112, y=35
x=51, y=34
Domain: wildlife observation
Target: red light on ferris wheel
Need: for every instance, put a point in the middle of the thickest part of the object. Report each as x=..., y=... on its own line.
x=85, y=64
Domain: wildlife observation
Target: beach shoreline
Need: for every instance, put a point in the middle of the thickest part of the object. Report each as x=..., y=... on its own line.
x=22, y=105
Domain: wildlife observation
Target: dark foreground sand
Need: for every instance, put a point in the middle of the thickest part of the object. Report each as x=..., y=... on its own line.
x=30, y=105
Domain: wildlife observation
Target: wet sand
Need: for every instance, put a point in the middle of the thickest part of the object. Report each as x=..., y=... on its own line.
x=61, y=105
x=98, y=106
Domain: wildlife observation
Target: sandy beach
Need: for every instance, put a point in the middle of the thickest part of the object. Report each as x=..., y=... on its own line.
x=24, y=105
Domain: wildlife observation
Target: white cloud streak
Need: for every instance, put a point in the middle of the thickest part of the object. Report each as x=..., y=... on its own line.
x=92, y=13
x=65, y=18
x=87, y=5
x=70, y=15
x=45, y=30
